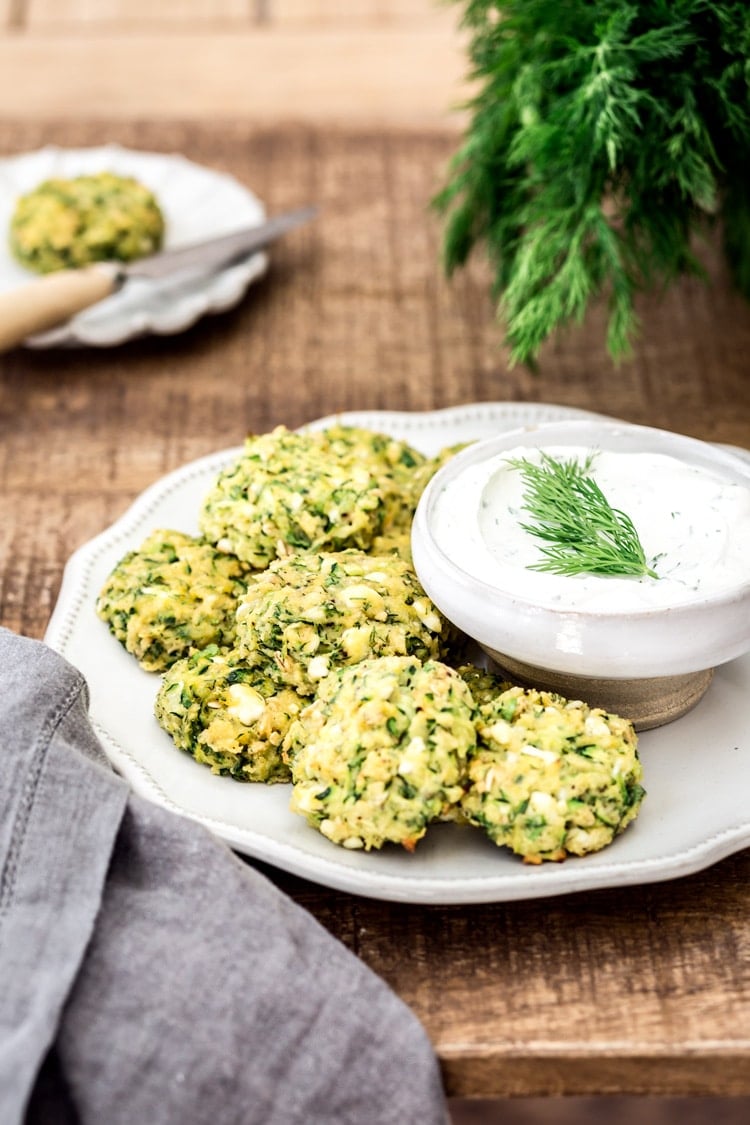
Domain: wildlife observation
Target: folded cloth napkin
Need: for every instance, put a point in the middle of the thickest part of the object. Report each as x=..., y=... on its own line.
x=147, y=974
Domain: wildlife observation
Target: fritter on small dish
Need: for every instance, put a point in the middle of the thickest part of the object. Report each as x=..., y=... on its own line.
x=68, y=223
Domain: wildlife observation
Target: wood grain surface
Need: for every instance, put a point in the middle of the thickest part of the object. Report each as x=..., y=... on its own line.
x=83, y=14
x=637, y=990
x=371, y=61
x=124, y=14
x=368, y=75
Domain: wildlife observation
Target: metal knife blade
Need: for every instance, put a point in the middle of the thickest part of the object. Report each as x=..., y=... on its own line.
x=213, y=254
x=50, y=300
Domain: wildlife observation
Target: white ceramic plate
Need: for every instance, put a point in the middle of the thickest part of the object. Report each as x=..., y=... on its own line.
x=696, y=770
x=197, y=203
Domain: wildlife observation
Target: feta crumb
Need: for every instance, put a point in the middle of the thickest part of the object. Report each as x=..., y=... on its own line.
x=317, y=668
x=247, y=704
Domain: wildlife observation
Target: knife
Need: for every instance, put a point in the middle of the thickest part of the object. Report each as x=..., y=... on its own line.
x=48, y=301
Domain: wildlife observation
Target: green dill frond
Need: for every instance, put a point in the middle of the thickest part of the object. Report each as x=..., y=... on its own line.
x=603, y=136
x=583, y=533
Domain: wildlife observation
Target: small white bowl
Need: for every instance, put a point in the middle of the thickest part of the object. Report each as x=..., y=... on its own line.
x=648, y=662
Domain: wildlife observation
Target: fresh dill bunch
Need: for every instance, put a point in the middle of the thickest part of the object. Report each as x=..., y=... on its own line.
x=604, y=135
x=586, y=535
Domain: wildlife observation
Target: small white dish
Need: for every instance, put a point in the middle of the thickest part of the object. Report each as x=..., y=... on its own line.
x=197, y=203
x=692, y=816
x=649, y=662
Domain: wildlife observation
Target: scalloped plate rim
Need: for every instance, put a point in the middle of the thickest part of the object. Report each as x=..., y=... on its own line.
x=513, y=881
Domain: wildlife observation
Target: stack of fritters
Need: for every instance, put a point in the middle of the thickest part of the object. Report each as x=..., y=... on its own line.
x=298, y=644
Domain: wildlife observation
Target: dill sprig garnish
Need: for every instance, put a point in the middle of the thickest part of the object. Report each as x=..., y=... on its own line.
x=586, y=535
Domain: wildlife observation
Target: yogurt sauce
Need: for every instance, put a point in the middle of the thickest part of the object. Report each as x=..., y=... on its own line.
x=693, y=523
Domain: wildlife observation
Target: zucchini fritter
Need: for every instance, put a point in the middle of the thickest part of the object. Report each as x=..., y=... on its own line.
x=226, y=715
x=381, y=752
x=393, y=543
x=424, y=473
x=312, y=612
x=551, y=777
x=485, y=686
x=393, y=463
x=175, y=593
x=68, y=223
x=290, y=492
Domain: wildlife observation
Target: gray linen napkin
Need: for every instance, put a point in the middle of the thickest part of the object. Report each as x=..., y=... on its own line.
x=148, y=975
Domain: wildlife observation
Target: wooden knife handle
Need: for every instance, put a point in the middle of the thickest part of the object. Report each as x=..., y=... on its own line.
x=50, y=300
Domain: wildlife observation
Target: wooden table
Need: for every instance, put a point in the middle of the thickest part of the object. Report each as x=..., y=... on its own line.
x=630, y=990
x=386, y=61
